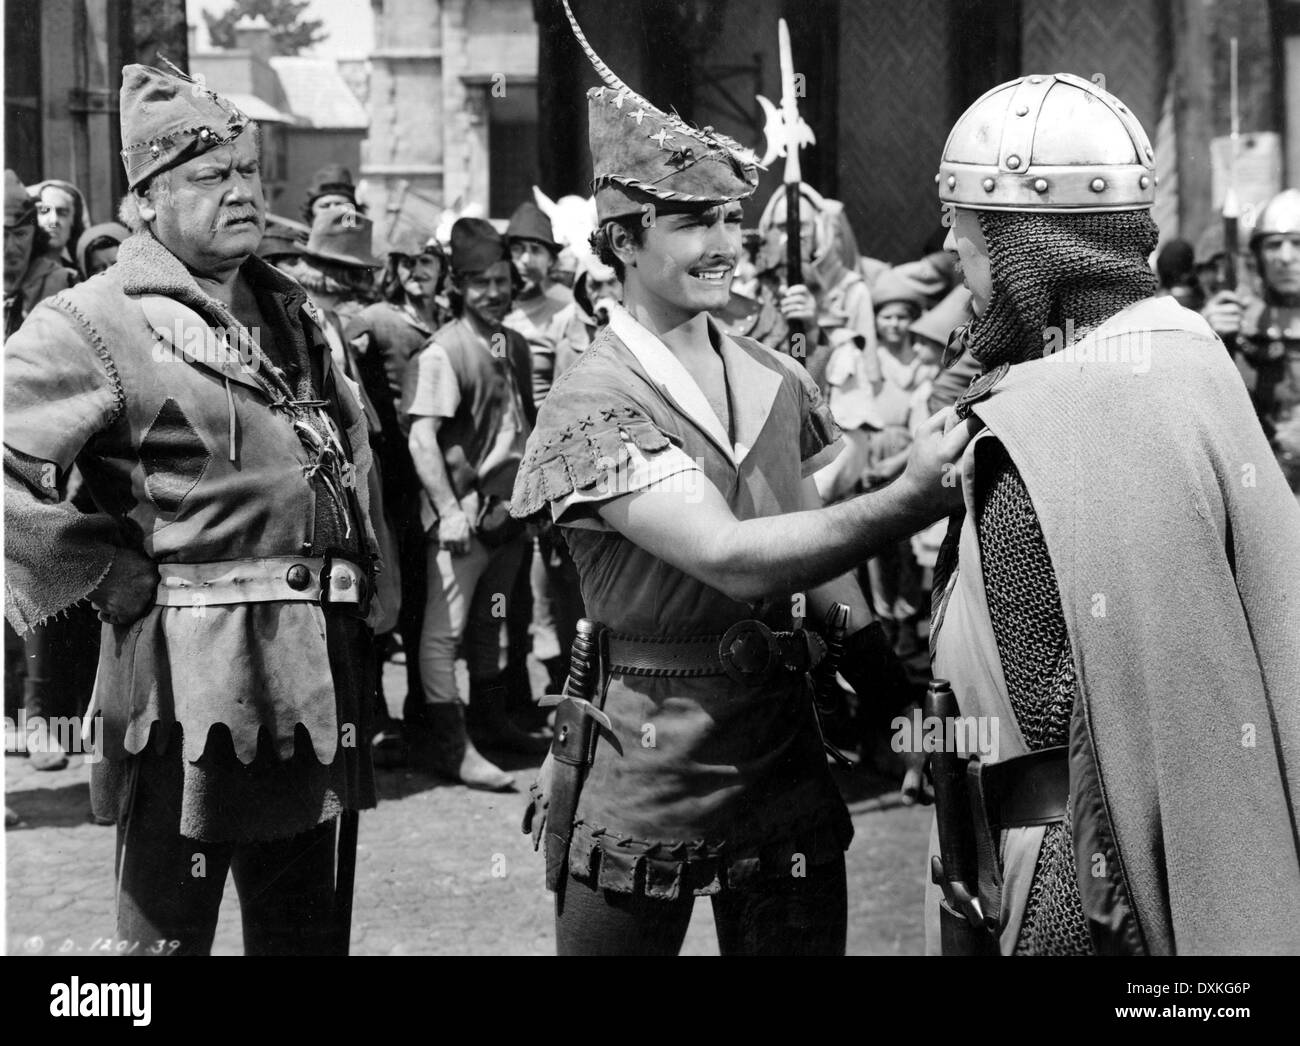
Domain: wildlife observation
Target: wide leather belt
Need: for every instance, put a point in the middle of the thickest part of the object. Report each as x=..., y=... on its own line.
x=1028, y=790
x=749, y=652
x=313, y=579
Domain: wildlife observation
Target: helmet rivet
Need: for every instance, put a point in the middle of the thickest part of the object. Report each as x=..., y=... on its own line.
x=1013, y=162
x=936, y=179
x=952, y=181
x=1157, y=179
x=1143, y=182
x=154, y=150
x=1097, y=184
x=1023, y=111
x=1040, y=185
x=204, y=134
x=988, y=184
x=1035, y=79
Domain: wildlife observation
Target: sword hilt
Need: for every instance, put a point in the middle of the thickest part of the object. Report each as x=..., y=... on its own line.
x=583, y=660
x=835, y=629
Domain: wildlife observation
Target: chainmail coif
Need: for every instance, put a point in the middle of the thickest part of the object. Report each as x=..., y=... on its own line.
x=1050, y=268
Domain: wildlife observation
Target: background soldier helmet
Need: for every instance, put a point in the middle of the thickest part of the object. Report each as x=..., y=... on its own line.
x=1281, y=215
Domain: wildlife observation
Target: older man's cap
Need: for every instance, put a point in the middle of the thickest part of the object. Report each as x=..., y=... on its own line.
x=529, y=222
x=20, y=209
x=476, y=245
x=341, y=236
x=168, y=118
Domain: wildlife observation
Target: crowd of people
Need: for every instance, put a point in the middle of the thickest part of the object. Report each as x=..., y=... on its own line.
x=451, y=423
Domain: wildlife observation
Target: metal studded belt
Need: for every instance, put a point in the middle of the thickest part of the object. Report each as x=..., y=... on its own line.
x=331, y=580
x=749, y=652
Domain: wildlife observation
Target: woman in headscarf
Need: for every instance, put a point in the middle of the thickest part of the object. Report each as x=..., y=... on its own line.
x=61, y=212
x=97, y=247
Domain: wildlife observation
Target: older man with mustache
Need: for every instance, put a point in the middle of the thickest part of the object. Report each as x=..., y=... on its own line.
x=232, y=555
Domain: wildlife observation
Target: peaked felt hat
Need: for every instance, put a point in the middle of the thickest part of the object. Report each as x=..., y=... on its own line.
x=167, y=118
x=476, y=245
x=341, y=236
x=529, y=222
x=643, y=157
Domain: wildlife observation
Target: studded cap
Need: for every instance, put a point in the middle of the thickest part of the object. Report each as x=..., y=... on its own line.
x=641, y=155
x=167, y=118
x=1055, y=143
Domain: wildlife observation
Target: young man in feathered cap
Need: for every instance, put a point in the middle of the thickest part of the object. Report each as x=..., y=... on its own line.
x=231, y=556
x=678, y=462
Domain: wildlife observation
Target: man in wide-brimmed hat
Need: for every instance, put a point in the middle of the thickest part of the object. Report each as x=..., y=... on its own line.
x=331, y=188
x=231, y=558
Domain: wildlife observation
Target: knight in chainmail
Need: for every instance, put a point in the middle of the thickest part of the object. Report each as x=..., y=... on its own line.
x=1047, y=269
x=1120, y=593
x=1048, y=278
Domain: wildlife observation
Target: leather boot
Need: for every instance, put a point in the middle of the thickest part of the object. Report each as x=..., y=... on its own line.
x=439, y=742
x=490, y=724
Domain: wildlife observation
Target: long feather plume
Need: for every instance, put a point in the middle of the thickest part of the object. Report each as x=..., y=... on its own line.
x=613, y=80
x=606, y=73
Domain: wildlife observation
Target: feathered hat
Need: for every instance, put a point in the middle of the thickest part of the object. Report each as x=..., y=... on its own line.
x=643, y=156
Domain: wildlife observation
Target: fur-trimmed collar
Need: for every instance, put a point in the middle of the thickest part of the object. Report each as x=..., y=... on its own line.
x=145, y=266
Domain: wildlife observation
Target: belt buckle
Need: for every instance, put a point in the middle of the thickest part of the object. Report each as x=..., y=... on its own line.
x=748, y=653
x=344, y=584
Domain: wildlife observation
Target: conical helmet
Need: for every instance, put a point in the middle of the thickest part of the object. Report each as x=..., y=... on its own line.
x=1055, y=143
x=1280, y=215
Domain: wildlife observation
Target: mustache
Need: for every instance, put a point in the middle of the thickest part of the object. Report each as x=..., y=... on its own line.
x=243, y=214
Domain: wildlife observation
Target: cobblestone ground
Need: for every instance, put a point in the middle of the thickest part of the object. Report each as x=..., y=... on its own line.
x=441, y=870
